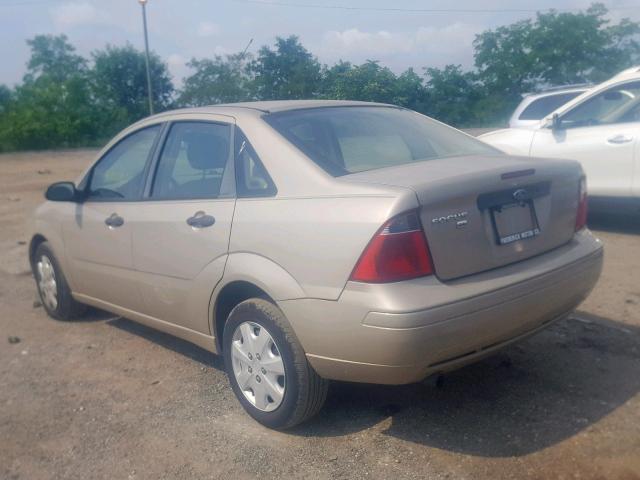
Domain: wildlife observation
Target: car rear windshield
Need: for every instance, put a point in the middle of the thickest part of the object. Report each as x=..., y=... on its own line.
x=542, y=107
x=345, y=140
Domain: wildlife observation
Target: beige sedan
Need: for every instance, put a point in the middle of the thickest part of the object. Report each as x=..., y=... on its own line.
x=315, y=240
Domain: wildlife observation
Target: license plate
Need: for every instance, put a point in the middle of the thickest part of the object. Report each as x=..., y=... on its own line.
x=515, y=221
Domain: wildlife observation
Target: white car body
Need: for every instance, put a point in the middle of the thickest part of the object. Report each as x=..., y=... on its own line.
x=600, y=129
x=535, y=106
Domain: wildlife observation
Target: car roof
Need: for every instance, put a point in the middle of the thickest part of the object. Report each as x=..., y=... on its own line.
x=246, y=110
x=629, y=73
x=558, y=90
x=272, y=106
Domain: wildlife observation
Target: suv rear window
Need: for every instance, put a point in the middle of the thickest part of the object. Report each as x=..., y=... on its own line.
x=542, y=107
x=345, y=140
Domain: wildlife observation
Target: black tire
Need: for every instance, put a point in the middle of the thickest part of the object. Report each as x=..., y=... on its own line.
x=305, y=390
x=67, y=308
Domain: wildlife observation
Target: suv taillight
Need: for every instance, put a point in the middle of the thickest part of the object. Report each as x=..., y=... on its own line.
x=581, y=217
x=398, y=251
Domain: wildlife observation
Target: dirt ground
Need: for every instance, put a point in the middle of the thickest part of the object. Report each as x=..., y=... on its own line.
x=106, y=398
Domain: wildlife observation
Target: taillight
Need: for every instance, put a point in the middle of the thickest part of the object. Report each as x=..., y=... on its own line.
x=398, y=251
x=581, y=217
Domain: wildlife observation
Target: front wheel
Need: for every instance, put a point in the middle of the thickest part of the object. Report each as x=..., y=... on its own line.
x=267, y=368
x=54, y=292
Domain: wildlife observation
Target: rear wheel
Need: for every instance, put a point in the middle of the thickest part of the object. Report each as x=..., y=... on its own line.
x=53, y=289
x=267, y=367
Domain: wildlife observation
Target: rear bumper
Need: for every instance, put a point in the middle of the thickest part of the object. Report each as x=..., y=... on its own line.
x=403, y=332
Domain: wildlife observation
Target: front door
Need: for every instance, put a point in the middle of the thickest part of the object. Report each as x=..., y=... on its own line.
x=181, y=231
x=98, y=233
x=601, y=133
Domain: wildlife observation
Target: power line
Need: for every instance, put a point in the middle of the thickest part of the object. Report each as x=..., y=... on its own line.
x=278, y=3
x=25, y=3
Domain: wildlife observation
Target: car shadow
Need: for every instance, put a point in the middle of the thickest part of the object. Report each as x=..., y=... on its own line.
x=92, y=315
x=522, y=400
x=169, y=342
x=615, y=223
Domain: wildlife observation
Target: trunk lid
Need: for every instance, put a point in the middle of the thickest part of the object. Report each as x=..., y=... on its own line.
x=484, y=212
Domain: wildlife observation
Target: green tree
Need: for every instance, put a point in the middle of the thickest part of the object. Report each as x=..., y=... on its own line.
x=53, y=57
x=52, y=106
x=218, y=80
x=367, y=82
x=330, y=77
x=50, y=114
x=554, y=48
x=5, y=98
x=6, y=101
x=374, y=83
x=119, y=84
x=63, y=100
x=452, y=95
x=411, y=92
x=288, y=72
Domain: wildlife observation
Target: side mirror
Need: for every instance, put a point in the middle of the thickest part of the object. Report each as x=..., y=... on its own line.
x=63, y=192
x=556, y=123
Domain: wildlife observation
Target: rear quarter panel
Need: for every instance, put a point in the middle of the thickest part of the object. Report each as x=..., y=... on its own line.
x=317, y=240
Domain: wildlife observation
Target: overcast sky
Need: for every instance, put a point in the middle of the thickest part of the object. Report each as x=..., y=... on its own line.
x=182, y=29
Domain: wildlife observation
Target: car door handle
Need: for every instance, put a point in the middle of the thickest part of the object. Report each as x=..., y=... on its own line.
x=114, y=221
x=200, y=220
x=618, y=139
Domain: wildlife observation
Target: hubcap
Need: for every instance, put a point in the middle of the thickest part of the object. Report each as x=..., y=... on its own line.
x=257, y=366
x=47, y=282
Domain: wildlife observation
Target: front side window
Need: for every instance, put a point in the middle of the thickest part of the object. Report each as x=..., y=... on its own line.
x=119, y=174
x=619, y=104
x=345, y=140
x=193, y=161
x=540, y=108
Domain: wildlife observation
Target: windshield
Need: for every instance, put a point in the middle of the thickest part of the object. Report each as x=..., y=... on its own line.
x=345, y=140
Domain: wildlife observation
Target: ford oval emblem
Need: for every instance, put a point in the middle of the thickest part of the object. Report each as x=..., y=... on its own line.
x=520, y=194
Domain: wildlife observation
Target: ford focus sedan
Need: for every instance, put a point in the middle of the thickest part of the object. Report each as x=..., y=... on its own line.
x=308, y=241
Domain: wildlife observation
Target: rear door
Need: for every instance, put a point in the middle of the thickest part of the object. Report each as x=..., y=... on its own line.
x=601, y=133
x=99, y=233
x=181, y=230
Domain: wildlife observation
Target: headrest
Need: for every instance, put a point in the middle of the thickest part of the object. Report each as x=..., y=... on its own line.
x=206, y=151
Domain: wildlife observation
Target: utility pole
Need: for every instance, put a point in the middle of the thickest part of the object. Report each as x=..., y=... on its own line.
x=143, y=3
x=244, y=52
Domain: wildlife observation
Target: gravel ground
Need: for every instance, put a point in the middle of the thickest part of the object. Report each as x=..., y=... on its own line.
x=106, y=398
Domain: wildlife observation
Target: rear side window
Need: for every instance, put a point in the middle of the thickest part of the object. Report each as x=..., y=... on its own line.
x=252, y=179
x=119, y=174
x=345, y=140
x=542, y=107
x=193, y=161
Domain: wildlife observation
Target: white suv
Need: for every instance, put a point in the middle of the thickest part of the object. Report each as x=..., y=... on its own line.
x=600, y=129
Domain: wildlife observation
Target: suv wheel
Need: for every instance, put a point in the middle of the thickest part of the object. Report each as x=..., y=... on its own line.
x=267, y=367
x=53, y=289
